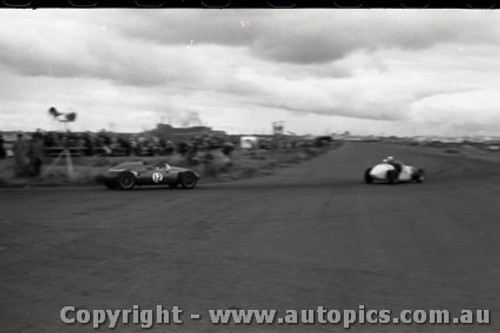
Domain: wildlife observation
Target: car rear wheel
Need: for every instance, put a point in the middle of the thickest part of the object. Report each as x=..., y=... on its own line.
x=419, y=176
x=368, y=177
x=188, y=180
x=126, y=181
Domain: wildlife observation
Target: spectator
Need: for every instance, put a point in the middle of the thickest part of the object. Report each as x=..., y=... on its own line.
x=20, y=157
x=2, y=149
x=182, y=148
x=88, y=144
x=35, y=154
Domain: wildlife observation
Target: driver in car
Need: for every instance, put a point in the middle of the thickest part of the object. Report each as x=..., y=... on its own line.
x=162, y=166
x=398, y=165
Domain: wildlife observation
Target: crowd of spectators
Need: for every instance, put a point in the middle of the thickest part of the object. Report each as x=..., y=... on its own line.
x=28, y=154
x=30, y=150
x=118, y=144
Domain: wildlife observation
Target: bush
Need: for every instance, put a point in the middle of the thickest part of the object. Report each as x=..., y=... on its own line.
x=227, y=149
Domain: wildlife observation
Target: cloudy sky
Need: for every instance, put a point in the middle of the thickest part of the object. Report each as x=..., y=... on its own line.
x=402, y=72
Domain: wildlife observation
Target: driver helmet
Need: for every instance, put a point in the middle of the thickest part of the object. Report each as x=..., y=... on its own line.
x=390, y=159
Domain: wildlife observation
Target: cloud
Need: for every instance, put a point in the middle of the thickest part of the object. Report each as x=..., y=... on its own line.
x=132, y=68
x=460, y=109
x=312, y=36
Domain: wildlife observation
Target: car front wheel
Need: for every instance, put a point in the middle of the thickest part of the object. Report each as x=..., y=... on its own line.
x=419, y=176
x=188, y=180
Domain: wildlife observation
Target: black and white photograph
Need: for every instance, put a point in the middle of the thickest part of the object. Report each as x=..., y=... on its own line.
x=249, y=170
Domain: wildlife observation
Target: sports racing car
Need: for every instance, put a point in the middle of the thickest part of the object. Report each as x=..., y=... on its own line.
x=393, y=173
x=126, y=175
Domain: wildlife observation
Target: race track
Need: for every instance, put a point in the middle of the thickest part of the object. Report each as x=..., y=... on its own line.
x=309, y=235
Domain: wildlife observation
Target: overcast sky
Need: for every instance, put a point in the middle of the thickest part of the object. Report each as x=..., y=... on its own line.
x=402, y=72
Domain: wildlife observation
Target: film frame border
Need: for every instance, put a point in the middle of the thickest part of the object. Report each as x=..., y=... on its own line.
x=242, y=4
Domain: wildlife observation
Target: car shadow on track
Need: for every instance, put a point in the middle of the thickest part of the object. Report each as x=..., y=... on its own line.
x=344, y=184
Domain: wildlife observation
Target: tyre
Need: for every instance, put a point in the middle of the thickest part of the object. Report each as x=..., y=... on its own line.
x=419, y=176
x=368, y=177
x=392, y=176
x=126, y=181
x=188, y=180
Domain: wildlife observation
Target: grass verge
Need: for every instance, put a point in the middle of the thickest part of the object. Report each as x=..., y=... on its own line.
x=212, y=166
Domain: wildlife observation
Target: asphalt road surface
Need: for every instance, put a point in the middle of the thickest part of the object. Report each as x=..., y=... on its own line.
x=310, y=235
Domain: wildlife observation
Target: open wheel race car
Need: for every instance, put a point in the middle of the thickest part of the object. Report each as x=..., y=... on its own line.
x=126, y=175
x=394, y=173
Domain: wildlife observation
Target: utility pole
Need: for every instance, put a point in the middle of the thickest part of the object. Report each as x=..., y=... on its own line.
x=64, y=118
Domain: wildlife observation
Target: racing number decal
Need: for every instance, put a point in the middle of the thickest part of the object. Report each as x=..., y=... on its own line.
x=157, y=177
